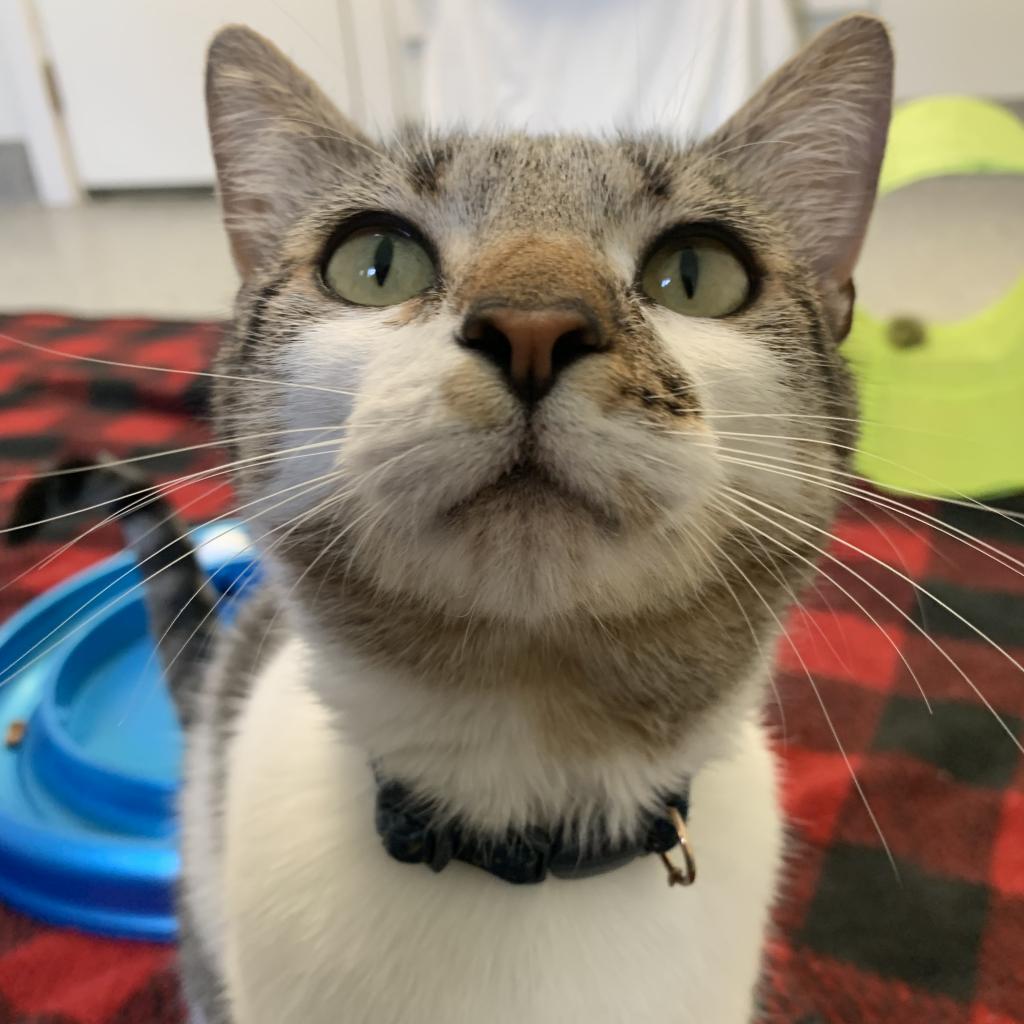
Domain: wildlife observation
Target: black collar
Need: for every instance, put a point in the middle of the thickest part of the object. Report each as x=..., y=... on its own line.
x=410, y=834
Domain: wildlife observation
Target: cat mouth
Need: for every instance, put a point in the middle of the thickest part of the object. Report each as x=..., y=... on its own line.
x=527, y=487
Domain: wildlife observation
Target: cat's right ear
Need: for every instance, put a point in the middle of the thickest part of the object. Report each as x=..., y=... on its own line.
x=277, y=140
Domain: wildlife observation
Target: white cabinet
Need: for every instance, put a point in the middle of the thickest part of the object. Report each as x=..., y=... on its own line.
x=130, y=75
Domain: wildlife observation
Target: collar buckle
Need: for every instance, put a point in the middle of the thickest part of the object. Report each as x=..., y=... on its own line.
x=687, y=873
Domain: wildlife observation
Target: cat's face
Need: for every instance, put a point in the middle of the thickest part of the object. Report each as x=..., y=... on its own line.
x=539, y=365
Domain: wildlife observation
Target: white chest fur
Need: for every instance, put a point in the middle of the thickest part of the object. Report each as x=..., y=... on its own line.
x=322, y=926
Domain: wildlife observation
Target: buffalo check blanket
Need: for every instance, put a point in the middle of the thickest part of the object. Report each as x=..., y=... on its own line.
x=935, y=938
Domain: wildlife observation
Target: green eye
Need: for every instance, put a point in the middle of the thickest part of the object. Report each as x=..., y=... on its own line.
x=697, y=276
x=379, y=267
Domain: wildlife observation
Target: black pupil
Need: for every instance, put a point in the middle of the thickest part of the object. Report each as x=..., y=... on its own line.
x=689, y=269
x=382, y=258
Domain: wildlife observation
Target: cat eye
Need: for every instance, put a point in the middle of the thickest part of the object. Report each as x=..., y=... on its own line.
x=697, y=275
x=379, y=266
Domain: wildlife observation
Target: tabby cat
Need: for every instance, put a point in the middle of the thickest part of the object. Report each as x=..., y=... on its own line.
x=519, y=614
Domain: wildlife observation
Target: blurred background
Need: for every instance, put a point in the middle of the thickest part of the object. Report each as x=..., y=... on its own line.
x=106, y=180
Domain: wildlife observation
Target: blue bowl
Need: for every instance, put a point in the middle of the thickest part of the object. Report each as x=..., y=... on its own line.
x=88, y=835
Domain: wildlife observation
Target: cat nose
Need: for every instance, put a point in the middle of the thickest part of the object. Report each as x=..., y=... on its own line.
x=531, y=347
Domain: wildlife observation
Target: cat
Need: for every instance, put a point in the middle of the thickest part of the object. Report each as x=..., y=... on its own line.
x=519, y=615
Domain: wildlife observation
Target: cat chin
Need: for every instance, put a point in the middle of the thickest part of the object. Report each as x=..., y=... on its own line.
x=474, y=530
x=523, y=552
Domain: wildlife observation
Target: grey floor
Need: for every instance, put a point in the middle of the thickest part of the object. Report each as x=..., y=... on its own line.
x=940, y=250
x=159, y=254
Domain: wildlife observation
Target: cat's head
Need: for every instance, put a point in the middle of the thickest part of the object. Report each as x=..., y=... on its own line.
x=541, y=369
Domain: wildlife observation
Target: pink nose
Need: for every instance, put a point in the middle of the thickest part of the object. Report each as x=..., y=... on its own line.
x=531, y=346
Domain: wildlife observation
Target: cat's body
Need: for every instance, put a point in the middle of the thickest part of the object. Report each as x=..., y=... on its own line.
x=308, y=920
x=518, y=568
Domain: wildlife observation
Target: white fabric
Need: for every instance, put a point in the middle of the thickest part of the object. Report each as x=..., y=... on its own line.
x=596, y=65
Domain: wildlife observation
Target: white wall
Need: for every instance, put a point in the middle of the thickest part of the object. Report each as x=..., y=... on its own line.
x=971, y=46
x=942, y=46
x=10, y=114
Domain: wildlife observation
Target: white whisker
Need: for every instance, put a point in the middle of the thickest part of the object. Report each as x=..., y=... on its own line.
x=167, y=369
x=828, y=719
x=743, y=499
x=884, y=502
x=14, y=670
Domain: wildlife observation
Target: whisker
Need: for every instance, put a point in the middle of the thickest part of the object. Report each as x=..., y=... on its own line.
x=167, y=369
x=742, y=499
x=146, y=496
x=387, y=509
x=175, y=482
x=14, y=669
x=961, y=499
x=860, y=605
x=293, y=525
x=110, y=463
x=890, y=505
x=964, y=501
x=133, y=507
x=720, y=548
x=329, y=546
x=902, y=575
x=776, y=571
x=828, y=719
x=217, y=443
x=333, y=499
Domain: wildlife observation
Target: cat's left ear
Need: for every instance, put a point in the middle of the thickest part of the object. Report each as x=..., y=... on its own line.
x=811, y=142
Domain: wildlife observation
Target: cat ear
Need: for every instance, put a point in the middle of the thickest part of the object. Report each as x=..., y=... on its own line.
x=811, y=142
x=277, y=140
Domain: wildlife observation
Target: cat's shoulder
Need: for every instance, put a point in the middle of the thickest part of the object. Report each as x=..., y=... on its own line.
x=242, y=648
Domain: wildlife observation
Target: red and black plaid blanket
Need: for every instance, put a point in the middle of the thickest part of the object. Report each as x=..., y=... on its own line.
x=938, y=941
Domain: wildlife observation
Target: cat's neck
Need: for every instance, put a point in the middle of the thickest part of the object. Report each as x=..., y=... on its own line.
x=491, y=756
x=586, y=687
